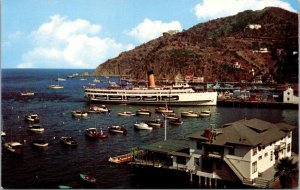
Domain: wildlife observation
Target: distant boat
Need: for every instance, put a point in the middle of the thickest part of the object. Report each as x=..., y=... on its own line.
x=60, y=79
x=68, y=141
x=205, y=113
x=142, y=126
x=27, y=93
x=3, y=134
x=163, y=110
x=94, y=133
x=79, y=113
x=87, y=178
x=189, y=114
x=55, y=86
x=83, y=79
x=176, y=121
x=126, y=113
x=96, y=80
x=117, y=129
x=32, y=117
x=39, y=143
x=155, y=123
x=64, y=187
x=143, y=111
x=14, y=147
x=36, y=128
x=98, y=109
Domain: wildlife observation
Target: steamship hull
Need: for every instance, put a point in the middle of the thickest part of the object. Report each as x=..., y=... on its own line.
x=180, y=97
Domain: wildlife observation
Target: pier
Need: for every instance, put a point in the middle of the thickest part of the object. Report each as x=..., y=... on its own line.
x=255, y=104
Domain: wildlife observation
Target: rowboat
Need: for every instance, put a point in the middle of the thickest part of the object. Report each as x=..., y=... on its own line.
x=14, y=147
x=39, y=143
x=68, y=141
x=79, y=113
x=189, y=114
x=117, y=129
x=143, y=111
x=126, y=113
x=36, y=128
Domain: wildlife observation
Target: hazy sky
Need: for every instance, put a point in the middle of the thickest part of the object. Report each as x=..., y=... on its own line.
x=85, y=33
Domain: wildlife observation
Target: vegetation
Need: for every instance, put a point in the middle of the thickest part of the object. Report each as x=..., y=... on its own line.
x=286, y=170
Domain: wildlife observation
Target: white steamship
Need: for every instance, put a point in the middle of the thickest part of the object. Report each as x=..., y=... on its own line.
x=178, y=94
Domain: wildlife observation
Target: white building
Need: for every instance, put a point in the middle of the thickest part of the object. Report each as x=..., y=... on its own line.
x=289, y=97
x=254, y=26
x=242, y=152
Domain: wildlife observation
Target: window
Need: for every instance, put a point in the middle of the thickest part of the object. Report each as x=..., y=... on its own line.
x=271, y=155
x=181, y=160
x=231, y=151
x=260, y=157
x=266, y=154
x=199, y=145
x=254, y=167
x=289, y=147
x=254, y=151
x=288, y=99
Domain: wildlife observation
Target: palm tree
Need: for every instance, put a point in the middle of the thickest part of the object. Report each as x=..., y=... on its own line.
x=286, y=170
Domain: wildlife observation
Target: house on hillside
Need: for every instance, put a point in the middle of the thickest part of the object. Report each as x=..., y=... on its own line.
x=289, y=96
x=243, y=152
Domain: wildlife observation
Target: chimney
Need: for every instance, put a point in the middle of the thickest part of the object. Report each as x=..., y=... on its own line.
x=151, y=81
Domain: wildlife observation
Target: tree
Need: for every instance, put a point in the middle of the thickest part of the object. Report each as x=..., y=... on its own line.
x=286, y=170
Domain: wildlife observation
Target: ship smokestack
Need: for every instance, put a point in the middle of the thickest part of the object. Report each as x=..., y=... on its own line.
x=151, y=80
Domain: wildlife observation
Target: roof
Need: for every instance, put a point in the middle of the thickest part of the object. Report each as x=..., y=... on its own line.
x=168, y=147
x=251, y=132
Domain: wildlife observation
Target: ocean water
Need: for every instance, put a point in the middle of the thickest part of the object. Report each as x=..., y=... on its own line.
x=61, y=165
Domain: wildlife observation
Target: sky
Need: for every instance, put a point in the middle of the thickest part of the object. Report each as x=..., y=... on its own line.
x=85, y=33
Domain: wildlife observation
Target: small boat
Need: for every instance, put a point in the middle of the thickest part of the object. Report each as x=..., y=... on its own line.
x=176, y=121
x=32, y=117
x=60, y=79
x=205, y=113
x=126, y=113
x=55, y=86
x=14, y=147
x=68, y=141
x=83, y=79
x=36, y=128
x=27, y=93
x=64, y=187
x=163, y=110
x=87, y=178
x=143, y=111
x=155, y=123
x=96, y=80
x=170, y=115
x=3, y=134
x=94, y=133
x=99, y=109
x=117, y=129
x=121, y=159
x=39, y=143
x=189, y=114
x=79, y=113
x=142, y=126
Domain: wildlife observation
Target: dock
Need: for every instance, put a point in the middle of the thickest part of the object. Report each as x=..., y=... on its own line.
x=255, y=104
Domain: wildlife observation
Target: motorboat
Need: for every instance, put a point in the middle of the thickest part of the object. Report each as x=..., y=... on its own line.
x=32, y=117
x=60, y=79
x=205, y=113
x=143, y=111
x=87, y=178
x=163, y=110
x=79, y=113
x=27, y=93
x=121, y=159
x=126, y=113
x=14, y=147
x=55, y=86
x=70, y=141
x=3, y=134
x=189, y=114
x=98, y=109
x=94, y=133
x=117, y=129
x=176, y=121
x=39, y=143
x=142, y=126
x=170, y=115
x=155, y=123
x=36, y=128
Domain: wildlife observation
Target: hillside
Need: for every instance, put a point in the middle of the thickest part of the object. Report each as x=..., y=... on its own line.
x=224, y=49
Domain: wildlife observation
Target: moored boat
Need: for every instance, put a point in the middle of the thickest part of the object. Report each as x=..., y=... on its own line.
x=69, y=141
x=117, y=129
x=14, y=147
x=189, y=114
x=27, y=93
x=126, y=113
x=155, y=123
x=143, y=111
x=142, y=126
x=87, y=178
x=163, y=110
x=98, y=109
x=79, y=113
x=176, y=121
x=205, y=113
x=55, y=86
x=92, y=132
x=32, y=117
x=39, y=143
x=125, y=158
x=3, y=134
x=35, y=128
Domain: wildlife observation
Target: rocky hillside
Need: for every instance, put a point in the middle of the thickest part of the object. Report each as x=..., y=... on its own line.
x=224, y=49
